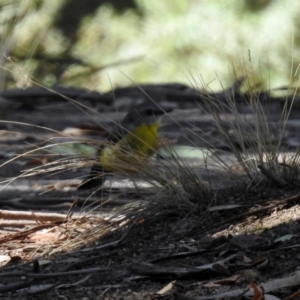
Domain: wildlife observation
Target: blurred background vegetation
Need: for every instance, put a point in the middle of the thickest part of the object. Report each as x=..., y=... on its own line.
x=98, y=44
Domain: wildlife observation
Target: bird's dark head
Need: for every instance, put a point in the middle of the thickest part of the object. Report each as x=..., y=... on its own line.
x=145, y=113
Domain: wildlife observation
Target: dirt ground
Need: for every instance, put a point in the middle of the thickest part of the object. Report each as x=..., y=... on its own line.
x=245, y=240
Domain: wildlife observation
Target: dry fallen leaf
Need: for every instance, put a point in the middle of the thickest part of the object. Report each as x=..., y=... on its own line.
x=4, y=260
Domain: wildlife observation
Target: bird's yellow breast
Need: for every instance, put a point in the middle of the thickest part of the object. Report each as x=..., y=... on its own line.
x=134, y=148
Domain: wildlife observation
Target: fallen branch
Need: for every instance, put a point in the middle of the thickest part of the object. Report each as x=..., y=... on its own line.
x=24, y=215
x=50, y=275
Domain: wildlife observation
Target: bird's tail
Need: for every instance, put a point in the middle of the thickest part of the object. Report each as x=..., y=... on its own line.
x=95, y=179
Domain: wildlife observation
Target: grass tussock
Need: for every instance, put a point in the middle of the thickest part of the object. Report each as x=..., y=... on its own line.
x=245, y=120
x=177, y=189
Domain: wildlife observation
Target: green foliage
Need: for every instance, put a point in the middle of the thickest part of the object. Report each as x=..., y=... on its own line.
x=153, y=41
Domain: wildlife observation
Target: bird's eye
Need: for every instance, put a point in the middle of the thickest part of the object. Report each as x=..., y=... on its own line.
x=149, y=112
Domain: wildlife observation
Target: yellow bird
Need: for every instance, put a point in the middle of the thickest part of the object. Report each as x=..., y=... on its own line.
x=129, y=145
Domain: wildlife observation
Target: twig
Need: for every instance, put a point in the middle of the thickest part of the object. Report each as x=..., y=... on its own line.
x=67, y=285
x=15, y=286
x=42, y=217
x=22, y=234
x=50, y=275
